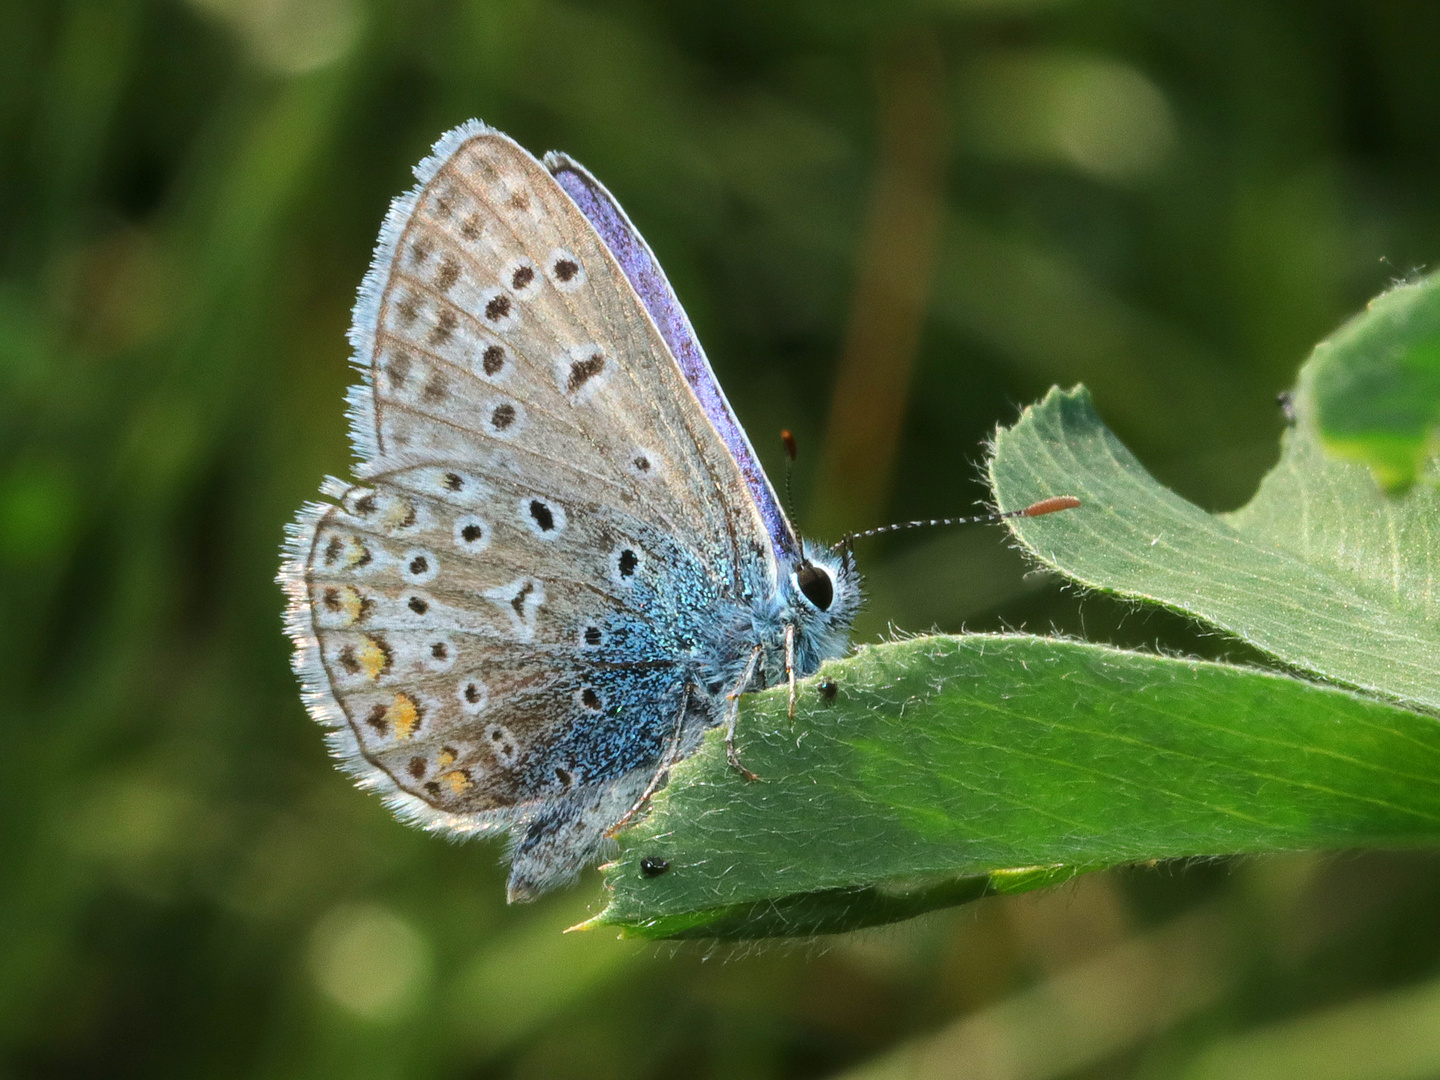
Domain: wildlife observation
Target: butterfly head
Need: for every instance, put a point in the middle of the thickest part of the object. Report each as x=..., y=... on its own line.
x=822, y=588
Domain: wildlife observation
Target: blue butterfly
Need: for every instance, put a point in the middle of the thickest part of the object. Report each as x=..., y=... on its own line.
x=561, y=561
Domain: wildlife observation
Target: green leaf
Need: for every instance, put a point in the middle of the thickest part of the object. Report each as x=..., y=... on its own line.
x=951, y=768
x=1320, y=570
x=948, y=767
x=1375, y=384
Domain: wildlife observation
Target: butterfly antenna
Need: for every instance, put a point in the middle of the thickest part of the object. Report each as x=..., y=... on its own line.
x=787, y=438
x=1045, y=506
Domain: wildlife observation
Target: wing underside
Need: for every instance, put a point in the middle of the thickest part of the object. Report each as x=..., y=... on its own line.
x=643, y=271
x=498, y=624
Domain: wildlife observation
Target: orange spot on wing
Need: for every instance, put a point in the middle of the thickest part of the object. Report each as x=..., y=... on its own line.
x=374, y=657
x=458, y=780
x=352, y=604
x=403, y=716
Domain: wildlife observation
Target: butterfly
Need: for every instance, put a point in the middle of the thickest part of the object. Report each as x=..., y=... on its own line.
x=560, y=562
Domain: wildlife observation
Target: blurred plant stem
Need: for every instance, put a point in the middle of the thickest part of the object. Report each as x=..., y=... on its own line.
x=898, y=245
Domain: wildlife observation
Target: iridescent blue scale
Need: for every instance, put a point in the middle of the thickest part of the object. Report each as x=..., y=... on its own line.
x=560, y=560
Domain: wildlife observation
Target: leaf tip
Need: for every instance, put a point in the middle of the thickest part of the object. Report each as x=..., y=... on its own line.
x=592, y=923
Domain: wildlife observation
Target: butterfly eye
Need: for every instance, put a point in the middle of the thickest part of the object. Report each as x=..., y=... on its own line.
x=816, y=585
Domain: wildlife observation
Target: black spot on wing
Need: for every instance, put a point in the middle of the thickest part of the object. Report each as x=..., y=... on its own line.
x=582, y=371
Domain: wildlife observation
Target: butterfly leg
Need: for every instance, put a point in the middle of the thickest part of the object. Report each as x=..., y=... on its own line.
x=790, y=664
x=672, y=751
x=730, y=753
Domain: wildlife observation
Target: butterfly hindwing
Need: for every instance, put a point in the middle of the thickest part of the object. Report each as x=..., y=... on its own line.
x=490, y=647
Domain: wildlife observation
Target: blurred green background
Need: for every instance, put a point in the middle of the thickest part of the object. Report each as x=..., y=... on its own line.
x=893, y=225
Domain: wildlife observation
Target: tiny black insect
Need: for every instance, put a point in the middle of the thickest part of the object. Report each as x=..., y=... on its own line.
x=828, y=688
x=654, y=867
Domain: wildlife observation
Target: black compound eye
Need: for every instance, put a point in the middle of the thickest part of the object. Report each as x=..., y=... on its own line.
x=816, y=585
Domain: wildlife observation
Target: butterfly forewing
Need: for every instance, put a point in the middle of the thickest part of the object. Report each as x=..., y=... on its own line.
x=506, y=337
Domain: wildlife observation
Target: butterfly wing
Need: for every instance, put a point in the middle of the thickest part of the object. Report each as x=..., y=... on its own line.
x=488, y=655
x=643, y=271
x=495, y=328
x=496, y=622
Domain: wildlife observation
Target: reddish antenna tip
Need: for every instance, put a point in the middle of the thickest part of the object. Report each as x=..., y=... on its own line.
x=1050, y=506
x=789, y=441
